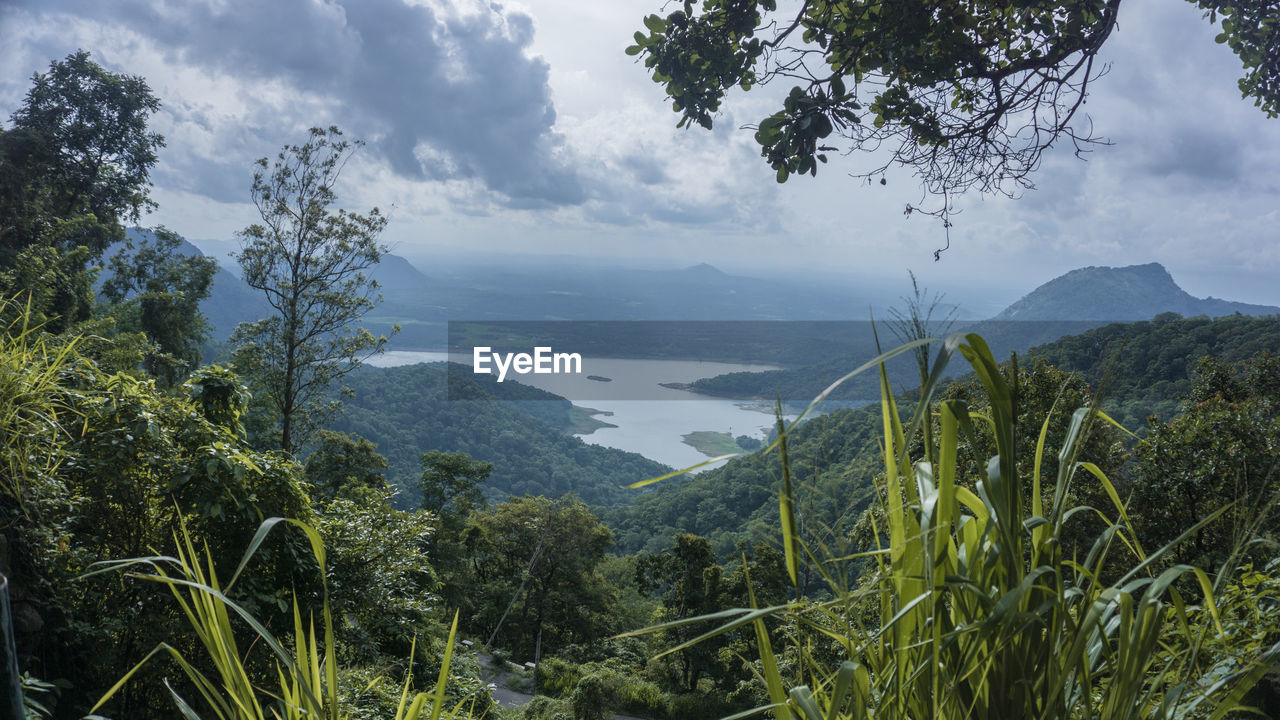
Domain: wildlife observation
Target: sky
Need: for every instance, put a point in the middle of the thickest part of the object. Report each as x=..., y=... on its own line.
x=522, y=127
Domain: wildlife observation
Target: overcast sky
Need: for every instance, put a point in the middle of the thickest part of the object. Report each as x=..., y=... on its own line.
x=522, y=127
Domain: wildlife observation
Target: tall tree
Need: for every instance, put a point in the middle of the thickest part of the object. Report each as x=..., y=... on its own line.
x=536, y=582
x=688, y=578
x=452, y=487
x=310, y=262
x=74, y=164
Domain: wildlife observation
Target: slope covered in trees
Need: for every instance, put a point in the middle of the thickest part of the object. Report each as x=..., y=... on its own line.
x=1148, y=368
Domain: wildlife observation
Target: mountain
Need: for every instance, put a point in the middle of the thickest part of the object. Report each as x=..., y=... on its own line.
x=398, y=278
x=1107, y=294
x=230, y=301
x=704, y=270
x=1073, y=303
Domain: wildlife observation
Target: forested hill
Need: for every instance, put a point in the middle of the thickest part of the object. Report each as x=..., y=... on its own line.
x=406, y=411
x=1140, y=368
x=1144, y=368
x=1116, y=294
x=832, y=457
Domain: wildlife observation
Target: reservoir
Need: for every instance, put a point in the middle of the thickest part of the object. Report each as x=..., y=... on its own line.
x=650, y=419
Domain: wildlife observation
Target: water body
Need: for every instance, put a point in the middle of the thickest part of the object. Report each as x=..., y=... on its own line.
x=650, y=419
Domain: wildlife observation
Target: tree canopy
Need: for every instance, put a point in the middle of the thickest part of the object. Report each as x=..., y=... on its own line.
x=74, y=164
x=965, y=94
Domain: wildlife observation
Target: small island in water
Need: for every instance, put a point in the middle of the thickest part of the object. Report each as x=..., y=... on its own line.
x=599, y=378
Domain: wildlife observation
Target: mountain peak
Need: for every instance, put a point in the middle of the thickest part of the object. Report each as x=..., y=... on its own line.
x=1118, y=294
x=704, y=269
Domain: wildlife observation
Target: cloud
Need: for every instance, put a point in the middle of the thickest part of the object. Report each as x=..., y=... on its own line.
x=441, y=91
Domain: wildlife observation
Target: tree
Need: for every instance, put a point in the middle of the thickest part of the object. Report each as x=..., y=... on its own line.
x=1221, y=452
x=452, y=486
x=965, y=94
x=345, y=465
x=452, y=482
x=536, y=584
x=310, y=262
x=75, y=163
x=688, y=578
x=158, y=290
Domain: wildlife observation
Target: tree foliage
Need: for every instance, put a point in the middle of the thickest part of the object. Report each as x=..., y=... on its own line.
x=535, y=583
x=100, y=466
x=344, y=465
x=74, y=163
x=158, y=290
x=1220, y=453
x=965, y=94
x=310, y=262
x=452, y=482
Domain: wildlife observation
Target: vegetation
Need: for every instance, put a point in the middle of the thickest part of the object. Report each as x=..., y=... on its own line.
x=712, y=443
x=158, y=291
x=937, y=558
x=1148, y=368
x=310, y=262
x=76, y=161
x=965, y=95
x=973, y=608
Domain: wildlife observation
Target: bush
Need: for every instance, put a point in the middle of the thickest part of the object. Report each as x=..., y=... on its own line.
x=697, y=706
x=545, y=708
x=642, y=698
x=556, y=677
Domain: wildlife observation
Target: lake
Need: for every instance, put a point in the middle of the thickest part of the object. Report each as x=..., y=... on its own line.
x=650, y=419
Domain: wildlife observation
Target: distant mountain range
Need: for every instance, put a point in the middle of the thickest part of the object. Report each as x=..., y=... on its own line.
x=423, y=304
x=1080, y=300
x=1107, y=294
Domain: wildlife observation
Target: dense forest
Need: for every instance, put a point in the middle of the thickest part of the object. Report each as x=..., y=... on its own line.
x=285, y=533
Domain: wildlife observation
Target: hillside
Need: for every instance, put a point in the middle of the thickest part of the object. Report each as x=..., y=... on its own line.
x=832, y=456
x=1136, y=292
x=411, y=409
x=1145, y=368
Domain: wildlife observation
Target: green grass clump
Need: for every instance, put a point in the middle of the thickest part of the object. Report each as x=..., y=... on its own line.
x=972, y=610
x=308, y=676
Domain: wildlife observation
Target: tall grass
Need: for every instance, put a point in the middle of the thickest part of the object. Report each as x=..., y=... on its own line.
x=307, y=675
x=31, y=401
x=976, y=612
